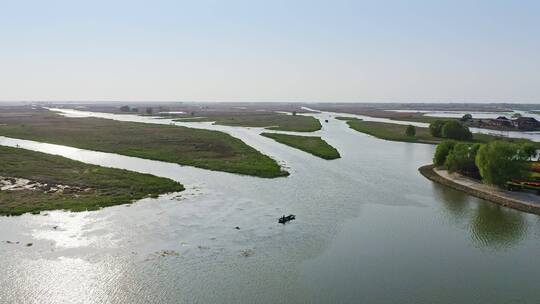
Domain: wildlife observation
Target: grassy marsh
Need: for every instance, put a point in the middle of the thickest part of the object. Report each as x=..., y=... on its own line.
x=271, y=121
x=310, y=144
x=186, y=146
x=395, y=132
x=103, y=186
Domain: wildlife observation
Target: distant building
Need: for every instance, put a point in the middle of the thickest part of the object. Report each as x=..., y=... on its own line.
x=503, y=123
x=525, y=123
x=500, y=122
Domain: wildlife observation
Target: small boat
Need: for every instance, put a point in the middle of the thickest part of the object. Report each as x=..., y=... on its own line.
x=284, y=219
x=326, y=120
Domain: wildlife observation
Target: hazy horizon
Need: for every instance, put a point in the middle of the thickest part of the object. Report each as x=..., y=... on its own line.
x=279, y=51
x=120, y=102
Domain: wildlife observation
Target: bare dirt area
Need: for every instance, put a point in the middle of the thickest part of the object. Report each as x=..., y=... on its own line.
x=21, y=184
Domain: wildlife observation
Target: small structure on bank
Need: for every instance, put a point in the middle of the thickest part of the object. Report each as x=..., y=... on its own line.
x=503, y=123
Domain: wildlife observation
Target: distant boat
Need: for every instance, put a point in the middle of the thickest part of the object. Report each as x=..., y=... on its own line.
x=284, y=219
x=326, y=120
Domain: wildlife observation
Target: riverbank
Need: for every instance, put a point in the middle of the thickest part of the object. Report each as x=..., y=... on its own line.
x=34, y=181
x=396, y=132
x=393, y=132
x=310, y=144
x=523, y=201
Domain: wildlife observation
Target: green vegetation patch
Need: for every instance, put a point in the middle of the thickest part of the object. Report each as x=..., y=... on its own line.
x=311, y=144
x=85, y=187
x=395, y=132
x=271, y=121
x=186, y=146
x=346, y=118
x=390, y=131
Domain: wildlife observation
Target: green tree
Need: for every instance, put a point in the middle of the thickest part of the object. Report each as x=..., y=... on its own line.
x=435, y=128
x=125, y=108
x=442, y=151
x=466, y=117
x=454, y=130
x=530, y=150
x=410, y=131
x=149, y=111
x=462, y=159
x=501, y=161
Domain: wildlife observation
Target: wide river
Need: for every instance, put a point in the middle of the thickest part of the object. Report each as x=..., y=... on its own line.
x=369, y=229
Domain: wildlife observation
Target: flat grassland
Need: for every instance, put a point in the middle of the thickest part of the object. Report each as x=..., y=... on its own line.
x=259, y=114
x=271, y=121
x=90, y=187
x=404, y=116
x=395, y=132
x=390, y=131
x=311, y=144
x=388, y=110
x=415, y=117
x=186, y=146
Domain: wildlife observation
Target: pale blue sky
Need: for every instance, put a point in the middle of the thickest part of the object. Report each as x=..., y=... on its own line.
x=270, y=50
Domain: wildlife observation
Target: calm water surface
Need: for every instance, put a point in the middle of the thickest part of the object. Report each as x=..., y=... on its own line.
x=369, y=229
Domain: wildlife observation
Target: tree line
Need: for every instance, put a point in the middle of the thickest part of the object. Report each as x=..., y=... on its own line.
x=451, y=129
x=496, y=162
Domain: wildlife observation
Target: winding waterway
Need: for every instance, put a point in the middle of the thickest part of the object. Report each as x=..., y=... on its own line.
x=534, y=135
x=369, y=229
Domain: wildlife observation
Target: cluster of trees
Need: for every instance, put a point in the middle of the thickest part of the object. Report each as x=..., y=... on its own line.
x=128, y=109
x=451, y=129
x=466, y=117
x=496, y=162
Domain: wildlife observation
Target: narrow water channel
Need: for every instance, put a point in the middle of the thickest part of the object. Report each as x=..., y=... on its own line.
x=369, y=229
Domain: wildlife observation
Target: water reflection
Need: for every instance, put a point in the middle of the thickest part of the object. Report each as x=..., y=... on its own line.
x=497, y=227
x=490, y=225
x=455, y=202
